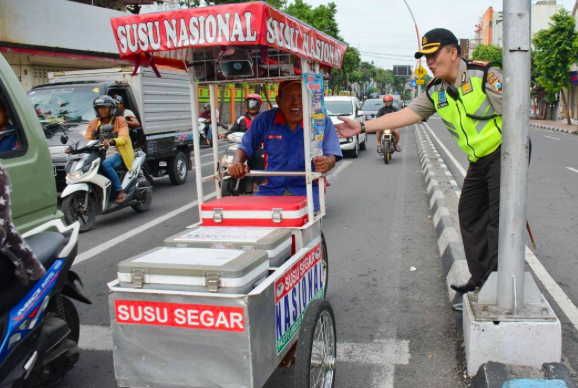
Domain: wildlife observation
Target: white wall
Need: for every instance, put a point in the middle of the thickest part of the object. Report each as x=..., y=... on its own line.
x=58, y=24
x=541, y=14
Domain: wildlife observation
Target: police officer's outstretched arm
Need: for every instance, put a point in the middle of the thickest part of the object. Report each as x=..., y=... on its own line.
x=399, y=119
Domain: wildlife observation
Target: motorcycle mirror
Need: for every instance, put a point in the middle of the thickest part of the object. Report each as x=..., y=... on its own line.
x=107, y=128
x=64, y=139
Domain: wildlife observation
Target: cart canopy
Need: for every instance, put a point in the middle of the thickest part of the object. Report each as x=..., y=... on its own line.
x=246, y=25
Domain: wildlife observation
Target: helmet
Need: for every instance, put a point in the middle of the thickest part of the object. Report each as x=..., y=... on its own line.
x=254, y=101
x=387, y=98
x=207, y=106
x=105, y=101
x=118, y=99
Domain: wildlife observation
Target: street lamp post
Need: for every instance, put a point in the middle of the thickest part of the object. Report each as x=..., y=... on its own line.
x=418, y=40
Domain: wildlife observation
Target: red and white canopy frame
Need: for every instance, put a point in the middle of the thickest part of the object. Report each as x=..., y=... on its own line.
x=244, y=24
x=157, y=37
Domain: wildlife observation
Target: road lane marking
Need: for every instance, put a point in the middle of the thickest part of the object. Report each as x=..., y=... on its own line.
x=381, y=354
x=558, y=295
x=550, y=137
x=123, y=237
x=342, y=166
x=454, y=160
x=565, y=304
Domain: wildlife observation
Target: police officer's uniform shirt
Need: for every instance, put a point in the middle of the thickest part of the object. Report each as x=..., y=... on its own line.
x=425, y=108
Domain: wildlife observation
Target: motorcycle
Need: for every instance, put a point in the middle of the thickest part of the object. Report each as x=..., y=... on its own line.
x=89, y=192
x=387, y=145
x=205, y=132
x=39, y=325
x=246, y=186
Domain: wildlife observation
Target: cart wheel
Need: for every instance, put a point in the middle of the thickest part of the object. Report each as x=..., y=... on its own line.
x=317, y=347
x=325, y=262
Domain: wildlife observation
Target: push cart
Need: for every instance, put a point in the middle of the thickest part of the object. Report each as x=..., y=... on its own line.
x=194, y=316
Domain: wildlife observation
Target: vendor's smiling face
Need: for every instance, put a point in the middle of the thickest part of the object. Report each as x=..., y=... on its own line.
x=291, y=104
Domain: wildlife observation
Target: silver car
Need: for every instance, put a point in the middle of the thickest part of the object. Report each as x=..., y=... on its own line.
x=371, y=107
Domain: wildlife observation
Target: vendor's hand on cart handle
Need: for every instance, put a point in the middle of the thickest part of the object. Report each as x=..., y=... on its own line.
x=238, y=170
x=348, y=128
x=322, y=164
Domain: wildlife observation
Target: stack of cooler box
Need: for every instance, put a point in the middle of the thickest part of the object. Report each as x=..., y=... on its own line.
x=239, y=240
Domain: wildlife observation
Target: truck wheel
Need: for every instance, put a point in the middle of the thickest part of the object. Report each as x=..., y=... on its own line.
x=177, y=168
x=73, y=209
x=317, y=347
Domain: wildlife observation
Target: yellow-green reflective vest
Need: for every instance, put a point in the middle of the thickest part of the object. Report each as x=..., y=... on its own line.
x=471, y=119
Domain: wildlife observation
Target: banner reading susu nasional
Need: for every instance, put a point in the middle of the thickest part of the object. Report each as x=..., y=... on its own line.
x=227, y=25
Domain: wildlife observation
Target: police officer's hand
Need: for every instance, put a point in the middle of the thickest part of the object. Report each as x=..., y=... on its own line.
x=238, y=170
x=348, y=128
x=322, y=164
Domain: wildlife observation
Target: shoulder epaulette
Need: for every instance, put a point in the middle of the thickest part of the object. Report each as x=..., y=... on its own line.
x=480, y=63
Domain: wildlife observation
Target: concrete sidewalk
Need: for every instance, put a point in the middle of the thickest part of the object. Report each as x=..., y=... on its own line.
x=555, y=126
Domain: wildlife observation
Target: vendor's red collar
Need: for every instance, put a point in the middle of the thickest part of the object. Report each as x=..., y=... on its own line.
x=280, y=119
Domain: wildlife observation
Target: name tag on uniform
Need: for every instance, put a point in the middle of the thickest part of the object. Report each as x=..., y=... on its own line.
x=443, y=99
x=467, y=88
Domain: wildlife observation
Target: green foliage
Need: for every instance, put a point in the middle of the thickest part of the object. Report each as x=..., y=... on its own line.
x=556, y=50
x=489, y=52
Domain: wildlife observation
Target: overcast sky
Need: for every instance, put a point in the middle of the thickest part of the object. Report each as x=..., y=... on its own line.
x=386, y=27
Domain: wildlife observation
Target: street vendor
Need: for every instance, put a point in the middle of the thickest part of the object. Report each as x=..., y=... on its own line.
x=281, y=132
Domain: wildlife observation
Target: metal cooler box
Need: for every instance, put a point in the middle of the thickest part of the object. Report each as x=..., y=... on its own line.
x=195, y=269
x=276, y=241
x=283, y=212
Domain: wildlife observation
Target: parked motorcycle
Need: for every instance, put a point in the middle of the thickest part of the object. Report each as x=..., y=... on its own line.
x=387, y=145
x=88, y=192
x=39, y=325
x=246, y=186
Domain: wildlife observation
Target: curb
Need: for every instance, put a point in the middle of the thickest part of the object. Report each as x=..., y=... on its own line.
x=450, y=245
x=550, y=128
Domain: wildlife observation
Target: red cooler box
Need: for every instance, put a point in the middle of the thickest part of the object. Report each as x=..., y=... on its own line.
x=284, y=212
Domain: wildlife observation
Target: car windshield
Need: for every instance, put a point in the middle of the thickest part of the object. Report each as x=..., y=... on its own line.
x=73, y=131
x=64, y=103
x=372, y=105
x=339, y=108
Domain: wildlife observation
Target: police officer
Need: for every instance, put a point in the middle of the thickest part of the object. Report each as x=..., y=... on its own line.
x=467, y=95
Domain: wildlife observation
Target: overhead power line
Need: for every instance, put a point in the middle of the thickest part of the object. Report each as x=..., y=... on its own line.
x=389, y=55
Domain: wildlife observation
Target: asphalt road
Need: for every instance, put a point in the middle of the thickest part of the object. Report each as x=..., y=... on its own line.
x=552, y=212
x=394, y=325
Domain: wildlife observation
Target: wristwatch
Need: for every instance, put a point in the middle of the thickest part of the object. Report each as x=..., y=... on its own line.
x=362, y=127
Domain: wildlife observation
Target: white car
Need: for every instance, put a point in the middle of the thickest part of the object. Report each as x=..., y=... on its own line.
x=347, y=106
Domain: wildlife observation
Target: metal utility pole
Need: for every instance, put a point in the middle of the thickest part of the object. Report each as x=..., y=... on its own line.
x=515, y=154
x=418, y=40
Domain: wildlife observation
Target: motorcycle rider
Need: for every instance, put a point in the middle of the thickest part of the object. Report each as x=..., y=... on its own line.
x=386, y=109
x=206, y=114
x=119, y=148
x=243, y=123
x=128, y=114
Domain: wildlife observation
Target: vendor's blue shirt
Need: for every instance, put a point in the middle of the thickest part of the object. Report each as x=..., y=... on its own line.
x=285, y=152
x=8, y=141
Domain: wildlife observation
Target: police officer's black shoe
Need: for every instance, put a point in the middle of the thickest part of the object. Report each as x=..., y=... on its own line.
x=464, y=288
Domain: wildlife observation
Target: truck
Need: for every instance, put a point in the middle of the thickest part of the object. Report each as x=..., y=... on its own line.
x=161, y=105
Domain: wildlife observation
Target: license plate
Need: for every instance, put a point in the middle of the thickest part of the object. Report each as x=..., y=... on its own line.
x=54, y=168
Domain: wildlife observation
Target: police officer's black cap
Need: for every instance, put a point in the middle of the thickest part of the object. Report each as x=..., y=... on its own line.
x=434, y=40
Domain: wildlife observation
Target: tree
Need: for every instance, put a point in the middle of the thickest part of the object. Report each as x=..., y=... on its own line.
x=488, y=52
x=556, y=51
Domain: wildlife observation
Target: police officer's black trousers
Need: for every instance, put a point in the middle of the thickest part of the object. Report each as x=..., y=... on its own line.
x=479, y=211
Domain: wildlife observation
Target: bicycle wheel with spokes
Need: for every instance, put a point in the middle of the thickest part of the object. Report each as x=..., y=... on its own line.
x=317, y=347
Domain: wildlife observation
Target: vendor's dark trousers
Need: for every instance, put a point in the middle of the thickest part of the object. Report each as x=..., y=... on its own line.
x=479, y=211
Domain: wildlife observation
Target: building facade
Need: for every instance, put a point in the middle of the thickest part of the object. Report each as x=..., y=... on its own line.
x=39, y=36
